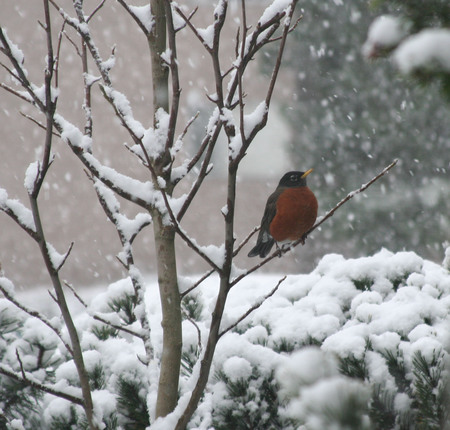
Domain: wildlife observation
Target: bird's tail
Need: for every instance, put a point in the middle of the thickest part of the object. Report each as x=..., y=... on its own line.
x=261, y=248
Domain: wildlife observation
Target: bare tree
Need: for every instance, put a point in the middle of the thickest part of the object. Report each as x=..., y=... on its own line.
x=157, y=148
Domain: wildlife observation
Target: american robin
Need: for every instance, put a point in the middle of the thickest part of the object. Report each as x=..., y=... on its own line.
x=291, y=210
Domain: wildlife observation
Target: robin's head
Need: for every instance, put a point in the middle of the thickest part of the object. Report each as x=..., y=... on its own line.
x=294, y=179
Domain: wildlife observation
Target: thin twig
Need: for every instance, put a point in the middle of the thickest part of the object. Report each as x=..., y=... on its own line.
x=22, y=370
x=100, y=318
x=244, y=242
x=39, y=124
x=253, y=308
x=66, y=256
x=197, y=283
x=76, y=295
x=197, y=328
x=35, y=314
x=99, y=6
x=347, y=198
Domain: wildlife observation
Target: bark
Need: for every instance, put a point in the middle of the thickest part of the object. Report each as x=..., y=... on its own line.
x=165, y=234
x=171, y=319
x=73, y=334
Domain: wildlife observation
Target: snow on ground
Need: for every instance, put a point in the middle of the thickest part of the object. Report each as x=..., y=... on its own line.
x=367, y=309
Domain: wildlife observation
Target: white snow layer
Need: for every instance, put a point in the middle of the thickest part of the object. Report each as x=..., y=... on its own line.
x=385, y=32
x=426, y=50
x=363, y=308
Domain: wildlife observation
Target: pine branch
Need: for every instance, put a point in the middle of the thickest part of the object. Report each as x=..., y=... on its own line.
x=25, y=379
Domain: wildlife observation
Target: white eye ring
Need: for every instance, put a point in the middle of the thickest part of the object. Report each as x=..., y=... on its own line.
x=293, y=178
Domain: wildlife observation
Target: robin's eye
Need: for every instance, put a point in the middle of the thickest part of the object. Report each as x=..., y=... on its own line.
x=293, y=178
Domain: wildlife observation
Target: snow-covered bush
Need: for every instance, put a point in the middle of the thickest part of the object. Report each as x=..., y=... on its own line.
x=417, y=37
x=370, y=338
x=382, y=324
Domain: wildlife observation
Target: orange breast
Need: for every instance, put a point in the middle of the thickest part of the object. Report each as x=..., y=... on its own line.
x=296, y=214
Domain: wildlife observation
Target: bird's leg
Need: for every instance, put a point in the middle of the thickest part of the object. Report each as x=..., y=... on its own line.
x=279, y=249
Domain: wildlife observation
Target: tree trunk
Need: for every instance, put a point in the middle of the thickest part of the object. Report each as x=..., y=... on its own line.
x=165, y=234
x=171, y=319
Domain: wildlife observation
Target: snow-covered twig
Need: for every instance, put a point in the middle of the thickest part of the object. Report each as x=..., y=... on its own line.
x=35, y=314
x=26, y=380
x=176, y=89
x=132, y=11
x=20, y=73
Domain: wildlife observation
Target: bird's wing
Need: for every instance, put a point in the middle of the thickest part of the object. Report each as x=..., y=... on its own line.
x=269, y=214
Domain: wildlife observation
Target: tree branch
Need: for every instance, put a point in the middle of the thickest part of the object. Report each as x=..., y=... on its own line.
x=253, y=308
x=42, y=387
x=34, y=314
x=280, y=251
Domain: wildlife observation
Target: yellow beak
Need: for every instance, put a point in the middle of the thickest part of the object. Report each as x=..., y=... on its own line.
x=307, y=173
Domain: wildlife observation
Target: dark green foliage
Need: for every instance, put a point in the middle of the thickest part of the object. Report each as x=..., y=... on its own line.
x=428, y=391
x=62, y=422
x=124, y=306
x=104, y=331
x=284, y=345
x=363, y=284
x=189, y=359
x=192, y=306
x=250, y=404
x=399, y=280
x=353, y=367
x=132, y=404
x=431, y=392
x=97, y=378
x=382, y=412
x=396, y=365
x=18, y=400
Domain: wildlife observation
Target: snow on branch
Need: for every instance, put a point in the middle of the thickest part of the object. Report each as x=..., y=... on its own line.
x=423, y=53
x=142, y=15
x=127, y=228
x=254, y=119
x=427, y=50
x=28, y=380
x=80, y=24
x=129, y=188
x=7, y=289
x=208, y=36
x=123, y=110
x=18, y=212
